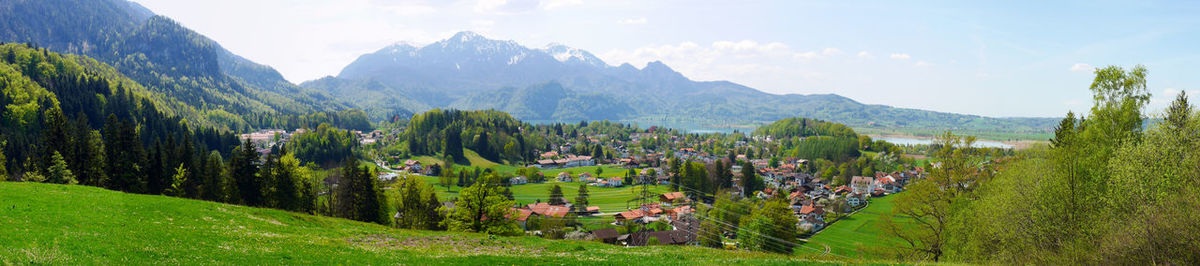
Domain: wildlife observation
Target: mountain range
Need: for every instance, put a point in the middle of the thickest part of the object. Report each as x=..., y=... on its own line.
x=561, y=83
x=192, y=76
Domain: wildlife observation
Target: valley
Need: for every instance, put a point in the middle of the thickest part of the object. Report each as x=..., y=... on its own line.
x=128, y=137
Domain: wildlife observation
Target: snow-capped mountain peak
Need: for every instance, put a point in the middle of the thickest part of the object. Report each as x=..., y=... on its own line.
x=567, y=54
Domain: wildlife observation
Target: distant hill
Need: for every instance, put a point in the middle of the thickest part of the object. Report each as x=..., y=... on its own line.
x=560, y=83
x=67, y=224
x=166, y=57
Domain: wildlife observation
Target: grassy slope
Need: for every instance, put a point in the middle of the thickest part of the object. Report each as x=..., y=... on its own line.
x=853, y=235
x=608, y=199
x=85, y=225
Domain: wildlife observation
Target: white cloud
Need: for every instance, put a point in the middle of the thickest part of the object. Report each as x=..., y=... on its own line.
x=411, y=9
x=632, y=21
x=506, y=7
x=552, y=4
x=483, y=22
x=749, y=46
x=923, y=64
x=1082, y=67
x=805, y=56
x=900, y=56
x=865, y=54
x=742, y=61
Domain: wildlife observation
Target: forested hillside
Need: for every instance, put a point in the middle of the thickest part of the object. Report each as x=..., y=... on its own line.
x=54, y=108
x=209, y=85
x=1108, y=190
x=494, y=135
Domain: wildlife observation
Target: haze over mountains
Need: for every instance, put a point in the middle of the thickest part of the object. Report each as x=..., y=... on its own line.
x=197, y=78
x=560, y=83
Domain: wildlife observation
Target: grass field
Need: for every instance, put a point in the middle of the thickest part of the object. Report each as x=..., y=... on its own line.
x=608, y=199
x=852, y=235
x=475, y=161
x=60, y=224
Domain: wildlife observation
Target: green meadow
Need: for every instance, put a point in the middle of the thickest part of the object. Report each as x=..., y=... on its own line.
x=67, y=224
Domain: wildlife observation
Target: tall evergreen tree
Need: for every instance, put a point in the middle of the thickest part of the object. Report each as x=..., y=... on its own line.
x=453, y=145
x=243, y=169
x=482, y=147
x=556, y=196
x=750, y=180
x=125, y=156
x=267, y=178
x=89, y=154
x=1179, y=113
x=3, y=161
x=213, y=187
x=55, y=138
x=287, y=174
x=58, y=172
x=581, y=199
x=157, y=178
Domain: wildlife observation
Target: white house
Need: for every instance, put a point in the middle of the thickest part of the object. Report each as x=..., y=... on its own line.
x=855, y=200
x=518, y=180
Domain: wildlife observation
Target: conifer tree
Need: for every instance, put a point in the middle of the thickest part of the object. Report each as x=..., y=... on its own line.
x=287, y=174
x=3, y=160
x=214, y=187
x=556, y=196
x=581, y=199
x=243, y=170
x=58, y=172
x=89, y=154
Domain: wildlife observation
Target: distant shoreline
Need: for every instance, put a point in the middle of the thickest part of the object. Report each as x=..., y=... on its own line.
x=1016, y=144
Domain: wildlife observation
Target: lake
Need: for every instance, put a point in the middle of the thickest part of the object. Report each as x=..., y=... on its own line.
x=913, y=141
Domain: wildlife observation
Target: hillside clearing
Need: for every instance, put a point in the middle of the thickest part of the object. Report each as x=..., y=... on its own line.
x=59, y=224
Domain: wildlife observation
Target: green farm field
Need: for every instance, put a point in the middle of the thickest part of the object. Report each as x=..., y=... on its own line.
x=67, y=224
x=854, y=236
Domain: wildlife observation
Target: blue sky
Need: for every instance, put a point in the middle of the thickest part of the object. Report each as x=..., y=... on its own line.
x=993, y=58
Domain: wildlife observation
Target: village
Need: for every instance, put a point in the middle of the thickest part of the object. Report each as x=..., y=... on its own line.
x=662, y=207
x=816, y=202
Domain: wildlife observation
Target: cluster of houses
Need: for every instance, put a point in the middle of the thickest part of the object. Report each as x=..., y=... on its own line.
x=265, y=139
x=552, y=160
x=806, y=192
x=542, y=209
x=671, y=209
x=591, y=180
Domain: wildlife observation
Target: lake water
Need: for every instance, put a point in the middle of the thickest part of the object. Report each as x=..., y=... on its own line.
x=912, y=141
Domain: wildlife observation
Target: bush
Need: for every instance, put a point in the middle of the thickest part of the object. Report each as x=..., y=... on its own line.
x=579, y=235
x=653, y=241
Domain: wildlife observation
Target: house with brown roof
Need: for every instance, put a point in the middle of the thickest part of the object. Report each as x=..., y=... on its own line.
x=590, y=210
x=861, y=184
x=634, y=215
x=547, y=210
x=608, y=235
x=672, y=197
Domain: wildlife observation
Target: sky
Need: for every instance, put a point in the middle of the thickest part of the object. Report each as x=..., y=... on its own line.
x=991, y=58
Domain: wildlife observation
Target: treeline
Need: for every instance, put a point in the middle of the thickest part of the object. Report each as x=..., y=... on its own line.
x=346, y=119
x=1107, y=190
x=703, y=181
x=812, y=139
x=324, y=145
x=493, y=135
x=804, y=127
x=36, y=125
x=119, y=139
